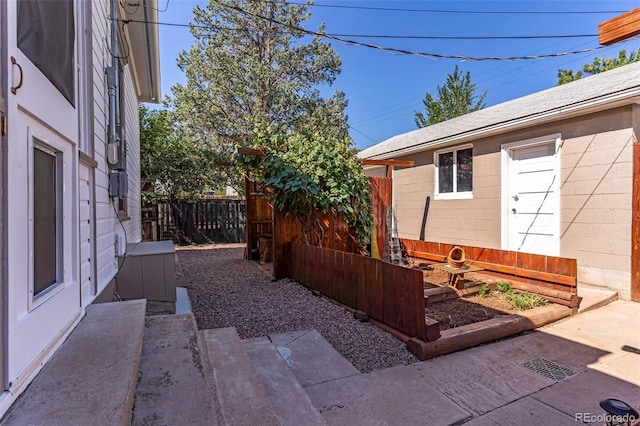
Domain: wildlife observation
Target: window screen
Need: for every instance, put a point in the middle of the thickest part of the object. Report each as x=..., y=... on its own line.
x=46, y=36
x=45, y=220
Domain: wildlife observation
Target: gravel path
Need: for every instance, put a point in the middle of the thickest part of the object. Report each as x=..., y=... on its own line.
x=228, y=291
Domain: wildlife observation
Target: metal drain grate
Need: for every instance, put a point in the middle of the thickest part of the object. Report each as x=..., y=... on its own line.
x=548, y=369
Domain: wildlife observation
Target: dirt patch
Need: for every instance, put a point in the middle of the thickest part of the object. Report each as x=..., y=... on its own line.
x=468, y=310
x=462, y=311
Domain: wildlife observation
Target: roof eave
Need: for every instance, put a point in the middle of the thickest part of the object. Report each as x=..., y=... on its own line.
x=624, y=97
x=144, y=53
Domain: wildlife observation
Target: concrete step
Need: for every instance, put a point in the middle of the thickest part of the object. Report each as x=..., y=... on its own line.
x=241, y=396
x=288, y=397
x=311, y=358
x=595, y=297
x=92, y=378
x=172, y=388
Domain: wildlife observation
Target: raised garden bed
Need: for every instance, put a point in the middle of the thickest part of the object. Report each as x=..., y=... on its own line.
x=479, y=311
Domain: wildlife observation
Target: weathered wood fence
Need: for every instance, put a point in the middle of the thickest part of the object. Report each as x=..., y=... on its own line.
x=391, y=294
x=217, y=220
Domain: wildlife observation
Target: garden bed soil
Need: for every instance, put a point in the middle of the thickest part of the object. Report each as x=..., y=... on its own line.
x=462, y=311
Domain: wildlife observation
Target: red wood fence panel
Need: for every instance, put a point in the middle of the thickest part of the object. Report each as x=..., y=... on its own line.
x=381, y=200
x=557, y=274
x=388, y=293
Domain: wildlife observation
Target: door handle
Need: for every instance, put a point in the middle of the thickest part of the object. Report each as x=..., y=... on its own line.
x=515, y=197
x=14, y=89
x=513, y=210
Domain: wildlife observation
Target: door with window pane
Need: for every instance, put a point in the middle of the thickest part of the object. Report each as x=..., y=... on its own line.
x=43, y=289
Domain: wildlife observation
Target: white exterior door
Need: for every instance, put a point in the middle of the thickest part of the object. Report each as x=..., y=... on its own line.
x=42, y=160
x=531, y=197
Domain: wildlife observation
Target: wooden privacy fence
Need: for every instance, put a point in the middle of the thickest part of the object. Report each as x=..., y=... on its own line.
x=388, y=293
x=550, y=276
x=219, y=220
x=337, y=235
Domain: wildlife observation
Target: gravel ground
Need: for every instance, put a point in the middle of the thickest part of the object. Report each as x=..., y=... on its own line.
x=228, y=291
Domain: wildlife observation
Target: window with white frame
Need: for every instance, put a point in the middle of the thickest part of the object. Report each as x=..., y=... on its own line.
x=454, y=173
x=47, y=218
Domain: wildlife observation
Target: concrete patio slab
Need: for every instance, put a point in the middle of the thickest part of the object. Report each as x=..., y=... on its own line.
x=593, y=298
x=611, y=323
x=395, y=396
x=568, y=353
x=481, y=379
x=311, y=358
x=172, y=388
x=288, y=397
x=242, y=397
x=524, y=412
x=582, y=393
x=92, y=377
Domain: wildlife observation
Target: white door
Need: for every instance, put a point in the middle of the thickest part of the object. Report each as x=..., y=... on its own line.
x=3, y=114
x=532, y=197
x=42, y=162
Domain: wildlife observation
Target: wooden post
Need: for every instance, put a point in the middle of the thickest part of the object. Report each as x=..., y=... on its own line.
x=620, y=28
x=635, y=226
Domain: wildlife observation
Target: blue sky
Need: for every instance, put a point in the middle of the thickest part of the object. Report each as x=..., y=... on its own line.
x=384, y=89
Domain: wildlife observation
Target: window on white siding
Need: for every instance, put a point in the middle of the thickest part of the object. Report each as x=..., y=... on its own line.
x=47, y=219
x=454, y=173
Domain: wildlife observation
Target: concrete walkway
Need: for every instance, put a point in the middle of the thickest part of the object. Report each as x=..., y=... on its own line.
x=597, y=353
x=555, y=375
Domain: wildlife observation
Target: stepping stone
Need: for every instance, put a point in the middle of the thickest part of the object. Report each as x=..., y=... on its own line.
x=288, y=397
x=311, y=358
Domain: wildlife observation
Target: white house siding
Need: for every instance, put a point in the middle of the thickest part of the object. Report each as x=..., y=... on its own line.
x=86, y=226
x=596, y=176
x=107, y=224
x=133, y=226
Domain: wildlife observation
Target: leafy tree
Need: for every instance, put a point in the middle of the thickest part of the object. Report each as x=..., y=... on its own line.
x=598, y=65
x=305, y=175
x=250, y=65
x=457, y=97
x=174, y=167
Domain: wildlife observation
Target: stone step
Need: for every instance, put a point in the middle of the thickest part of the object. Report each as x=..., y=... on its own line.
x=288, y=397
x=241, y=396
x=92, y=378
x=172, y=388
x=311, y=358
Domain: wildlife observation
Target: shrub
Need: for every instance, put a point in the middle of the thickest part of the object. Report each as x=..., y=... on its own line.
x=505, y=287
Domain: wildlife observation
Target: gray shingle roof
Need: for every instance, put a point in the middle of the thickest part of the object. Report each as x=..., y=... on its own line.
x=612, y=86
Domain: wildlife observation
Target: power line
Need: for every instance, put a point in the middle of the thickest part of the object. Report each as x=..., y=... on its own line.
x=419, y=37
x=471, y=12
x=390, y=50
x=389, y=36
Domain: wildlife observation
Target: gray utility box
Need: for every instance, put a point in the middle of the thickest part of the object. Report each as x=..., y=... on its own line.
x=148, y=271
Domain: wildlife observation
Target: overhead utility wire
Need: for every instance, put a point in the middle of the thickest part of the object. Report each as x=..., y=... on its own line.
x=390, y=50
x=409, y=37
x=472, y=12
x=397, y=51
x=391, y=36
